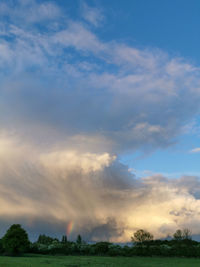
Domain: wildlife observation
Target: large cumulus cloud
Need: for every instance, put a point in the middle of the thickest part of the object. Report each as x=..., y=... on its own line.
x=45, y=190
x=70, y=102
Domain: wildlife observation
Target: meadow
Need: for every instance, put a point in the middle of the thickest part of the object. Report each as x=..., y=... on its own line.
x=79, y=261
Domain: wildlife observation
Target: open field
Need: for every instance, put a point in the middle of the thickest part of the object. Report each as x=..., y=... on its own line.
x=79, y=261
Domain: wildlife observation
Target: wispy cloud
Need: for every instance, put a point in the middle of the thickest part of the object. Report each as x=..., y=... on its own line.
x=30, y=11
x=195, y=150
x=128, y=85
x=92, y=15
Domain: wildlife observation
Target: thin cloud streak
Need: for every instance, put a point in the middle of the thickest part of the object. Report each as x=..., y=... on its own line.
x=93, y=15
x=195, y=150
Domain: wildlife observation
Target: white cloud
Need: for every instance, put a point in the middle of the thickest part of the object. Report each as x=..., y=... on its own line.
x=42, y=185
x=30, y=11
x=195, y=150
x=130, y=87
x=66, y=161
x=78, y=37
x=93, y=15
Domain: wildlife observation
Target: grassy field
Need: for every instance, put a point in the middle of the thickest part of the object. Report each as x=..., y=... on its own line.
x=73, y=261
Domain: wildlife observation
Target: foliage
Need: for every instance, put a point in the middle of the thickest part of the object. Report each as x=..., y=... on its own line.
x=15, y=240
x=79, y=239
x=101, y=248
x=182, y=234
x=46, y=240
x=141, y=236
x=1, y=246
x=64, y=239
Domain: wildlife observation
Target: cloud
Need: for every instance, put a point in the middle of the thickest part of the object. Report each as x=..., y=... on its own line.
x=86, y=163
x=195, y=150
x=92, y=15
x=138, y=102
x=78, y=37
x=97, y=193
x=30, y=11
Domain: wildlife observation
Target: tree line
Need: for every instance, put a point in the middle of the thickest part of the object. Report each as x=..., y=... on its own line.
x=16, y=242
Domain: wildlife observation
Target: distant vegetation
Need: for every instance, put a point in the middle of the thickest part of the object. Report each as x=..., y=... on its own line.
x=16, y=242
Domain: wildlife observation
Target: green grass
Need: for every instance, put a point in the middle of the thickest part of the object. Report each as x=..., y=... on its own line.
x=93, y=261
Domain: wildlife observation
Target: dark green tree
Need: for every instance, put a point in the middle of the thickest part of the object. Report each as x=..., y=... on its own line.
x=102, y=248
x=1, y=246
x=46, y=240
x=79, y=240
x=64, y=239
x=15, y=240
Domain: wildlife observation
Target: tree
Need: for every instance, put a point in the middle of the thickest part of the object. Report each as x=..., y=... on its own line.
x=141, y=236
x=187, y=234
x=1, y=246
x=102, y=248
x=46, y=240
x=15, y=240
x=79, y=240
x=178, y=235
x=64, y=239
x=182, y=234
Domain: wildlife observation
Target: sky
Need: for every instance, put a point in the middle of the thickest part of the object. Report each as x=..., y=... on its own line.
x=99, y=117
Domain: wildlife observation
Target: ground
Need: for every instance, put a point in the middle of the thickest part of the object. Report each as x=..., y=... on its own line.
x=93, y=261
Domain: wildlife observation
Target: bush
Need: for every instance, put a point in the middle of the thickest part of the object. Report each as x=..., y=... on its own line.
x=1, y=246
x=102, y=248
x=115, y=250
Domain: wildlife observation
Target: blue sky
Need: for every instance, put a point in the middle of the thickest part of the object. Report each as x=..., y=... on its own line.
x=171, y=26
x=99, y=116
